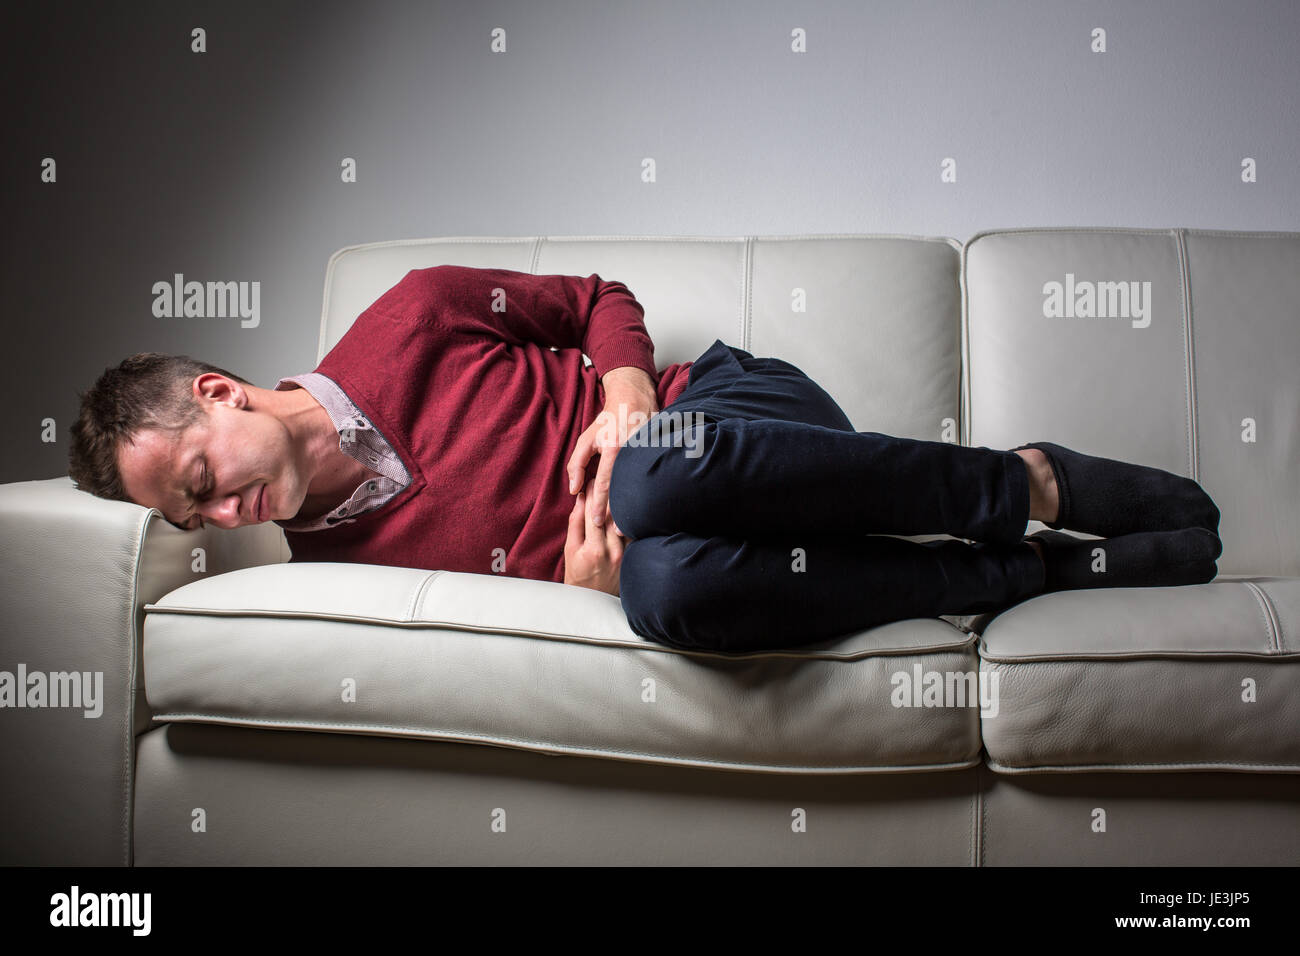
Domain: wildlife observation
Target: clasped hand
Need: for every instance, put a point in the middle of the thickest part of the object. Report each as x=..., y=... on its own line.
x=593, y=552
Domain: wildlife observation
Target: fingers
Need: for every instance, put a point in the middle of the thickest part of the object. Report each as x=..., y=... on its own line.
x=577, y=466
x=592, y=555
x=577, y=533
x=598, y=504
x=585, y=527
x=613, y=543
x=593, y=532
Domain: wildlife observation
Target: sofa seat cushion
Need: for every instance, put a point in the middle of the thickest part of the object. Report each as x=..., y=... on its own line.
x=1204, y=677
x=368, y=649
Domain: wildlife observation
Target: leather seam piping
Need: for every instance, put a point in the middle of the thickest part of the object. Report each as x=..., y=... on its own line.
x=1191, y=766
x=558, y=750
x=418, y=596
x=134, y=649
x=747, y=295
x=964, y=388
x=1272, y=626
x=1189, y=353
x=564, y=637
x=1115, y=657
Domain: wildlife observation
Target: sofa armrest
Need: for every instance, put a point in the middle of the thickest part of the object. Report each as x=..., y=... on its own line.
x=75, y=574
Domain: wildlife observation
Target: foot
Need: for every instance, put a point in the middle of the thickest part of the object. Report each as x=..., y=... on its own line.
x=1111, y=498
x=1140, y=560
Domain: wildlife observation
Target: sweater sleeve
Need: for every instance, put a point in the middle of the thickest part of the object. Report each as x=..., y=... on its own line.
x=600, y=317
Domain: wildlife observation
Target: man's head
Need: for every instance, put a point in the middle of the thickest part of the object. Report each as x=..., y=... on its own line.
x=198, y=443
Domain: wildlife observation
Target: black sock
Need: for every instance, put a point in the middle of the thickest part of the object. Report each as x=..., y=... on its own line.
x=1147, y=559
x=1107, y=497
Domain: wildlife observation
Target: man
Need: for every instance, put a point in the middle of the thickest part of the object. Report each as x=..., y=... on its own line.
x=728, y=501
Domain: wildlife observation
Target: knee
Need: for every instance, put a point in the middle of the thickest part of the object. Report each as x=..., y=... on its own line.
x=641, y=491
x=665, y=600
x=628, y=483
x=644, y=577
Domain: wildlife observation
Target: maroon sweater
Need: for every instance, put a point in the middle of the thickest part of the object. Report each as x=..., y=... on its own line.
x=452, y=367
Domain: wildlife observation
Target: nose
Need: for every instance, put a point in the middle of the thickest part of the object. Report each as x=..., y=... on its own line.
x=224, y=512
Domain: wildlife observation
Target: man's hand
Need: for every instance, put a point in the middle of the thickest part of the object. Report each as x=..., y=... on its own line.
x=592, y=555
x=630, y=400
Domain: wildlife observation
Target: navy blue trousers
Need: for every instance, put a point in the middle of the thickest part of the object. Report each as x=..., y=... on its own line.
x=756, y=517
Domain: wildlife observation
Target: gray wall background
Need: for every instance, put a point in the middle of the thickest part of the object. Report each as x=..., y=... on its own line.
x=225, y=165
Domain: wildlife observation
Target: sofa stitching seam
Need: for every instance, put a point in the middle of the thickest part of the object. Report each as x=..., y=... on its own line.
x=418, y=596
x=1266, y=611
x=1084, y=768
x=867, y=654
x=1096, y=230
x=1113, y=657
x=1189, y=380
x=559, y=749
x=135, y=630
x=747, y=295
x=963, y=395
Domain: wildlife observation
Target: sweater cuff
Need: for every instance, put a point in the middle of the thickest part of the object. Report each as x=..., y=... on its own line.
x=623, y=354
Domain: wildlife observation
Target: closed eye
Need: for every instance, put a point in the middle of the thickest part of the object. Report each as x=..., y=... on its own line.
x=206, y=485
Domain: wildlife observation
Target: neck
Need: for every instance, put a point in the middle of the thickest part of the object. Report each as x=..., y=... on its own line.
x=332, y=474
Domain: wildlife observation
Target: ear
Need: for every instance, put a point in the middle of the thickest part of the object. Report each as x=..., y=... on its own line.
x=215, y=387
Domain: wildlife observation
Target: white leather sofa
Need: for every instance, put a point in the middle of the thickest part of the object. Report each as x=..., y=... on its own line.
x=498, y=720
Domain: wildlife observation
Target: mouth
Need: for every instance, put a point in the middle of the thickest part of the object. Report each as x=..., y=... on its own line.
x=260, y=513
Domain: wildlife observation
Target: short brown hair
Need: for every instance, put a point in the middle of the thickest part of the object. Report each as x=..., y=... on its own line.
x=148, y=390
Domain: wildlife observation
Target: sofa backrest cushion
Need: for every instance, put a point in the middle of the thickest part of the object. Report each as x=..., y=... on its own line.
x=876, y=320
x=1175, y=348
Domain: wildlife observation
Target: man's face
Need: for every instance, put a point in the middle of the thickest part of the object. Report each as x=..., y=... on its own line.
x=233, y=467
